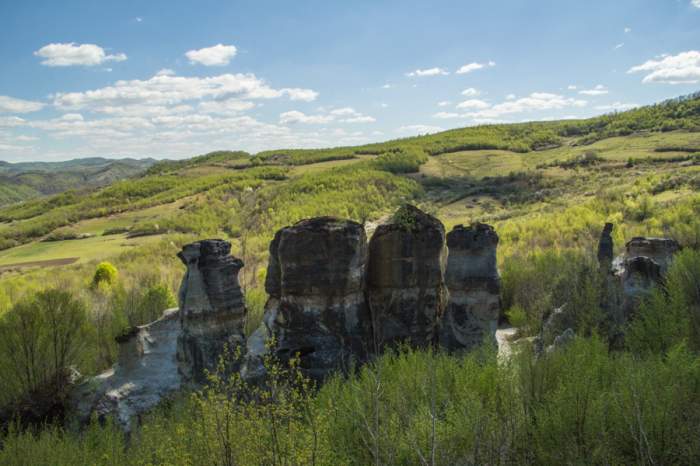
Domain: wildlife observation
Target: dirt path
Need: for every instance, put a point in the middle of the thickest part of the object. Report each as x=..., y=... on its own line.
x=46, y=263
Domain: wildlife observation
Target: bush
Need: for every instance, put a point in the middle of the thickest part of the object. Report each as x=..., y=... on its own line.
x=105, y=275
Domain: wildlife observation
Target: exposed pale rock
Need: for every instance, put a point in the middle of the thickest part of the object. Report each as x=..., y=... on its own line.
x=145, y=374
x=316, y=309
x=212, y=308
x=406, y=279
x=472, y=279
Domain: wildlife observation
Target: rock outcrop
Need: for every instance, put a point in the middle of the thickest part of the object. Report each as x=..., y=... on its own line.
x=643, y=266
x=473, y=283
x=316, y=309
x=145, y=374
x=405, y=279
x=606, y=247
x=212, y=309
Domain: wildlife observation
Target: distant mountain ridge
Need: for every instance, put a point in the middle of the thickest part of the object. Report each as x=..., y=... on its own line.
x=26, y=180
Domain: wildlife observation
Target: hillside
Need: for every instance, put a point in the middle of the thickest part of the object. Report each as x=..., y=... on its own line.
x=26, y=180
x=546, y=188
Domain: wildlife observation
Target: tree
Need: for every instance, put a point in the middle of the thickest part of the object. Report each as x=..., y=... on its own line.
x=105, y=274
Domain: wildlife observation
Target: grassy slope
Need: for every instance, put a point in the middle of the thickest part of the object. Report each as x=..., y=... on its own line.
x=459, y=185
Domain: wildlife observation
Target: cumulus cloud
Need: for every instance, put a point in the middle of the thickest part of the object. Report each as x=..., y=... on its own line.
x=510, y=97
x=171, y=90
x=572, y=87
x=683, y=68
x=473, y=103
x=12, y=105
x=418, y=129
x=598, y=90
x=428, y=72
x=537, y=101
x=444, y=103
x=165, y=72
x=339, y=115
x=225, y=107
x=446, y=115
x=695, y=3
x=469, y=67
x=218, y=55
x=470, y=92
x=72, y=54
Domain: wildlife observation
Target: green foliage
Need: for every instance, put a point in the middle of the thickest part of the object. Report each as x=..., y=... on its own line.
x=40, y=337
x=105, y=275
x=580, y=405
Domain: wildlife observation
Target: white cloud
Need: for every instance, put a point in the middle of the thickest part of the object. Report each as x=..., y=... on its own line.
x=218, y=55
x=419, y=129
x=616, y=106
x=622, y=44
x=537, y=101
x=360, y=119
x=469, y=67
x=598, y=90
x=447, y=115
x=383, y=105
x=470, y=92
x=72, y=54
x=571, y=87
x=629, y=29
x=165, y=72
x=172, y=90
x=473, y=103
x=695, y=3
x=387, y=86
x=295, y=116
x=683, y=68
x=340, y=115
x=12, y=105
x=510, y=97
x=444, y=103
x=428, y=72
x=138, y=19
x=12, y=121
x=225, y=107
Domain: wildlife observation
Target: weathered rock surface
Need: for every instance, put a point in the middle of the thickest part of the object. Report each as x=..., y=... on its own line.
x=643, y=266
x=212, y=309
x=606, y=247
x=474, y=285
x=145, y=374
x=405, y=279
x=316, y=309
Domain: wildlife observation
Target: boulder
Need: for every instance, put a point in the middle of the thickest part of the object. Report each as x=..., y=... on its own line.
x=405, y=279
x=145, y=374
x=659, y=250
x=473, y=283
x=316, y=310
x=212, y=309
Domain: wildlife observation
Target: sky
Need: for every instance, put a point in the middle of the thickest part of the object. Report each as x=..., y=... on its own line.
x=175, y=79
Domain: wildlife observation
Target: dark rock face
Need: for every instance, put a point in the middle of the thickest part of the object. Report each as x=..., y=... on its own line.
x=605, y=247
x=405, y=279
x=212, y=309
x=474, y=285
x=316, y=309
x=659, y=250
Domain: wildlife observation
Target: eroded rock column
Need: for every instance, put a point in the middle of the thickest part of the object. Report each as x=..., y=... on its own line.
x=406, y=279
x=212, y=308
x=316, y=309
x=472, y=279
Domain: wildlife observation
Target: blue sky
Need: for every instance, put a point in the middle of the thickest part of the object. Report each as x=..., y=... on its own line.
x=174, y=79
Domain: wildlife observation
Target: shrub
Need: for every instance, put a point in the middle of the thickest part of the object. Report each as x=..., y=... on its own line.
x=105, y=275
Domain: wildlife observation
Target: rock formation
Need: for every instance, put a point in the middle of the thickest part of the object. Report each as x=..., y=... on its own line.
x=643, y=266
x=606, y=247
x=316, y=309
x=212, y=309
x=146, y=372
x=405, y=279
x=473, y=283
